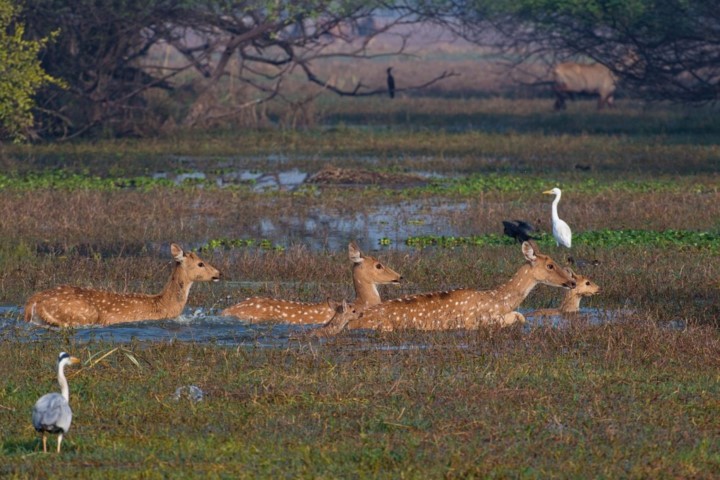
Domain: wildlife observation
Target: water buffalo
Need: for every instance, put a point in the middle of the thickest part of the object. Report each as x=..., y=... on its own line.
x=570, y=78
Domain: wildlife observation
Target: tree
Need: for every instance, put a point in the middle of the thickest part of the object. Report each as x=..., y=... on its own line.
x=661, y=49
x=20, y=74
x=107, y=53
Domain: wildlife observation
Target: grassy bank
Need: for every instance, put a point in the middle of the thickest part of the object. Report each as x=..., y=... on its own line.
x=630, y=400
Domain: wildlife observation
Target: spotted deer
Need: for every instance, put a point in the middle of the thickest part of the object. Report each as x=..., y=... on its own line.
x=367, y=273
x=67, y=306
x=456, y=309
x=571, y=302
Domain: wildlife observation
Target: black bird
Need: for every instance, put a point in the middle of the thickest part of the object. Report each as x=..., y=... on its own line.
x=518, y=230
x=390, y=83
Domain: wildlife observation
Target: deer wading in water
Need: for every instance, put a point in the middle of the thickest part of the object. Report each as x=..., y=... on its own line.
x=367, y=273
x=456, y=309
x=67, y=306
x=571, y=302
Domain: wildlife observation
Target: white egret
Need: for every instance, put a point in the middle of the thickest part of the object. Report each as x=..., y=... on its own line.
x=561, y=230
x=52, y=413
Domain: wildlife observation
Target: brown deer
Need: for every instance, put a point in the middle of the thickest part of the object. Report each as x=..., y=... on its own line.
x=67, y=306
x=457, y=309
x=571, y=302
x=367, y=273
x=570, y=78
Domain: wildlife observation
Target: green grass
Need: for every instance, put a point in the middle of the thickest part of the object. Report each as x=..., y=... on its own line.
x=576, y=403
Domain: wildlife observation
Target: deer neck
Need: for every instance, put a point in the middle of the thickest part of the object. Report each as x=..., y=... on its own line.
x=514, y=291
x=570, y=303
x=175, y=294
x=366, y=293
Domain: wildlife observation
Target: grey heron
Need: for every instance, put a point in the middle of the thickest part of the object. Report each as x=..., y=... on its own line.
x=52, y=413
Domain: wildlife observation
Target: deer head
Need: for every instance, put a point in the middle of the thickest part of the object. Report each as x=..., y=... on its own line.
x=193, y=266
x=544, y=269
x=370, y=270
x=584, y=286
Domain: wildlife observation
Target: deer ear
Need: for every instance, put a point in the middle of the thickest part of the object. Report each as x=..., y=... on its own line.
x=354, y=253
x=177, y=252
x=529, y=251
x=332, y=304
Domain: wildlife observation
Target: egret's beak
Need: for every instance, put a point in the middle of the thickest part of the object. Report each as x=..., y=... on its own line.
x=74, y=361
x=548, y=192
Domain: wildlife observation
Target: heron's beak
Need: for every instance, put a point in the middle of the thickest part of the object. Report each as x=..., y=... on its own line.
x=548, y=192
x=74, y=361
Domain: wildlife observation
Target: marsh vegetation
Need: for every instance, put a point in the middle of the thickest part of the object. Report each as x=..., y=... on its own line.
x=632, y=397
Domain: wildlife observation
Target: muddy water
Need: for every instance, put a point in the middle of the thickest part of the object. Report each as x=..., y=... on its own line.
x=197, y=325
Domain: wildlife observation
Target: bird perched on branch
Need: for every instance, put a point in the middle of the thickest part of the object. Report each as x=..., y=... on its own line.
x=519, y=230
x=390, y=83
x=561, y=230
x=52, y=413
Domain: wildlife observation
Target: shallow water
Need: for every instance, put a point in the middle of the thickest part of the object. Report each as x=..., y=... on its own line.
x=197, y=325
x=381, y=225
x=259, y=181
x=318, y=229
x=193, y=326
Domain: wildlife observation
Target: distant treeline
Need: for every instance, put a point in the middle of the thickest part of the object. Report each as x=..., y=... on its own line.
x=138, y=66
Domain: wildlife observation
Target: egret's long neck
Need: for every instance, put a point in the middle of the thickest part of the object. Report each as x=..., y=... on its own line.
x=554, y=207
x=64, y=388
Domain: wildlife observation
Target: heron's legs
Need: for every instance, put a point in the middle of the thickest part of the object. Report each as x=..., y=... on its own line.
x=59, y=441
x=44, y=442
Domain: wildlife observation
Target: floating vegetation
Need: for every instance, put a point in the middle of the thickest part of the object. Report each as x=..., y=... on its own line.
x=501, y=183
x=237, y=243
x=598, y=238
x=605, y=238
x=465, y=186
x=67, y=180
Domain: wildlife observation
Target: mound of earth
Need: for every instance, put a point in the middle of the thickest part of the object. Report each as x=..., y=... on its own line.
x=330, y=175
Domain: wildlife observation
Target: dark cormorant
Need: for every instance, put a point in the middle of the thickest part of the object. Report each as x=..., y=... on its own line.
x=518, y=230
x=390, y=83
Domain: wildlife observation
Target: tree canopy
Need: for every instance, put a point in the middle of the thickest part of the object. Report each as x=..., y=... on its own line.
x=107, y=52
x=661, y=49
x=20, y=73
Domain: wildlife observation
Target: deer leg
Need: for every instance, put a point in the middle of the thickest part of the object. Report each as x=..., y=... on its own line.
x=512, y=318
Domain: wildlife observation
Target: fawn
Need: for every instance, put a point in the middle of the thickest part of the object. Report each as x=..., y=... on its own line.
x=571, y=302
